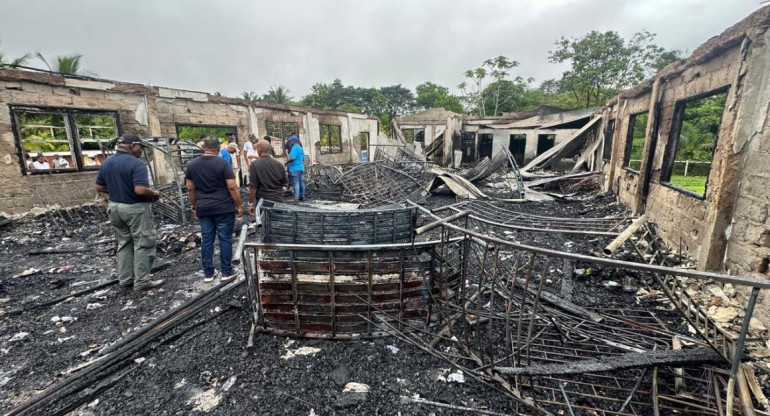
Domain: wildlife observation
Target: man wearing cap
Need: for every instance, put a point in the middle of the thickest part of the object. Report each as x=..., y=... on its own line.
x=216, y=201
x=296, y=164
x=123, y=176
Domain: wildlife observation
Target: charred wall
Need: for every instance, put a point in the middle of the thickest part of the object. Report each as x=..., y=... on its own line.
x=149, y=111
x=727, y=226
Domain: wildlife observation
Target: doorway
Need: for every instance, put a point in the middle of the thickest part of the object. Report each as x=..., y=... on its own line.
x=517, y=145
x=468, y=147
x=545, y=142
x=485, y=145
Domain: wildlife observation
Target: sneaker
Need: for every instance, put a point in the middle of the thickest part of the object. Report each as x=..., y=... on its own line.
x=212, y=277
x=230, y=276
x=302, y=198
x=149, y=285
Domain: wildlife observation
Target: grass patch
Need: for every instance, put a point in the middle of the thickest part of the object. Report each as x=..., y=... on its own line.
x=695, y=184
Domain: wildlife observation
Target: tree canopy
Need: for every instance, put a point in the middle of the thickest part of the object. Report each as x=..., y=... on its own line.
x=278, y=95
x=604, y=63
x=430, y=95
x=66, y=64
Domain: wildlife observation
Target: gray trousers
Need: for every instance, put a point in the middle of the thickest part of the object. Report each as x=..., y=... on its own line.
x=135, y=233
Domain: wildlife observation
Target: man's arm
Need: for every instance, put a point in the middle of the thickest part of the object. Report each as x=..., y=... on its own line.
x=191, y=195
x=145, y=191
x=235, y=194
x=100, y=185
x=142, y=184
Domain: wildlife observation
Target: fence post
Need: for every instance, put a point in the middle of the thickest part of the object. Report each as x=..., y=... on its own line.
x=686, y=166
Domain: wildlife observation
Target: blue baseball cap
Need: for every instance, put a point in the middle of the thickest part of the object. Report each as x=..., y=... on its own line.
x=294, y=138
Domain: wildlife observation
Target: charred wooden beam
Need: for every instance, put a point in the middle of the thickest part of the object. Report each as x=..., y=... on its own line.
x=623, y=361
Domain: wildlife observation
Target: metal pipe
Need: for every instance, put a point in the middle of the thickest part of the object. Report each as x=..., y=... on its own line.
x=743, y=281
x=739, y=349
x=428, y=227
x=339, y=247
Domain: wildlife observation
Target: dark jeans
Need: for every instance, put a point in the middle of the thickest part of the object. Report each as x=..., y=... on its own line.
x=299, y=184
x=222, y=225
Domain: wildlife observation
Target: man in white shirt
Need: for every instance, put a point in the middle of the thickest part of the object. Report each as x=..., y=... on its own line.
x=41, y=163
x=60, y=162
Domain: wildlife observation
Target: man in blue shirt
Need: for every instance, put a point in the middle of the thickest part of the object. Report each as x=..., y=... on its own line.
x=216, y=201
x=124, y=178
x=224, y=154
x=296, y=164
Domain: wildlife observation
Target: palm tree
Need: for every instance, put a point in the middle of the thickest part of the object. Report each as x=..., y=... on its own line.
x=22, y=60
x=250, y=96
x=278, y=95
x=66, y=64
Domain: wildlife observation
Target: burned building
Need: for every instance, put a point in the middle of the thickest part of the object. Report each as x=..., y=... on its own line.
x=488, y=304
x=69, y=116
x=712, y=204
x=527, y=134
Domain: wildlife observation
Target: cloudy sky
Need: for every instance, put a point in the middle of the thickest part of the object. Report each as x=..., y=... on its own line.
x=246, y=45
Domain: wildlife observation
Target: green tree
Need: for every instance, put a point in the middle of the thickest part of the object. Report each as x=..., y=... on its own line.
x=332, y=96
x=22, y=60
x=398, y=100
x=509, y=95
x=700, y=127
x=552, y=93
x=250, y=96
x=665, y=58
x=278, y=95
x=476, y=93
x=430, y=95
x=66, y=64
x=194, y=133
x=385, y=102
x=603, y=63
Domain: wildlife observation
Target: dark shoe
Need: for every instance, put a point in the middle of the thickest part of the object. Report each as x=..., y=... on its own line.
x=233, y=274
x=128, y=285
x=152, y=284
x=302, y=199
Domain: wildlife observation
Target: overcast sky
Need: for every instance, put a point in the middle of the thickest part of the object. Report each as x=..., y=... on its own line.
x=245, y=45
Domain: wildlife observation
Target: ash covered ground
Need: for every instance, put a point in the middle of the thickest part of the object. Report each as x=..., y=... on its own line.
x=203, y=366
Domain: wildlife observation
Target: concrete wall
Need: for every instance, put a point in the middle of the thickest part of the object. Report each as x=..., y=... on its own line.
x=728, y=228
x=696, y=224
x=149, y=111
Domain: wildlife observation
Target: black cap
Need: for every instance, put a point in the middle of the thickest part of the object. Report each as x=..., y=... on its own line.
x=129, y=139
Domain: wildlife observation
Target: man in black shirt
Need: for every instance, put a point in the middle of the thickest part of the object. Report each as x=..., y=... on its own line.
x=124, y=177
x=216, y=201
x=267, y=177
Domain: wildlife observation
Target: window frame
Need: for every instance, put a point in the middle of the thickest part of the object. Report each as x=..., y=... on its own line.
x=331, y=149
x=73, y=135
x=672, y=146
x=630, y=140
x=284, y=137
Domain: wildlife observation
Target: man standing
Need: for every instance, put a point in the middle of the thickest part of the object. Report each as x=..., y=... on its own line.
x=248, y=147
x=296, y=164
x=224, y=153
x=124, y=178
x=41, y=163
x=60, y=162
x=267, y=177
x=216, y=201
